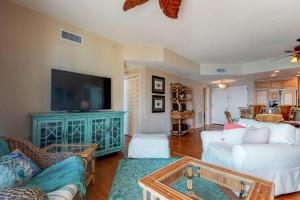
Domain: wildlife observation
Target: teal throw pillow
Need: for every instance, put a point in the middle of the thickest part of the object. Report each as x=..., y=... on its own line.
x=16, y=169
x=3, y=147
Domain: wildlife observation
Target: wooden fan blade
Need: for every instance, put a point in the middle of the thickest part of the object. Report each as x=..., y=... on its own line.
x=295, y=52
x=170, y=7
x=132, y=3
x=282, y=57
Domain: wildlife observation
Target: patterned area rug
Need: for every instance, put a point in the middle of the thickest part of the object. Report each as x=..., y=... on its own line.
x=125, y=184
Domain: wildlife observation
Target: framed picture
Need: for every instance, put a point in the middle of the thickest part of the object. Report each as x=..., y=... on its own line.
x=158, y=104
x=158, y=85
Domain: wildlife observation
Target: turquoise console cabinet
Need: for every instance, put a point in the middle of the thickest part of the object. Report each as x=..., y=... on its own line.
x=106, y=129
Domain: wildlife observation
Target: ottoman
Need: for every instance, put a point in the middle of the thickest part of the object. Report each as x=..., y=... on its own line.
x=149, y=146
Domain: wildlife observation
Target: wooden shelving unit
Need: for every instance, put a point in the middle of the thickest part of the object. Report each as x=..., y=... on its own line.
x=182, y=109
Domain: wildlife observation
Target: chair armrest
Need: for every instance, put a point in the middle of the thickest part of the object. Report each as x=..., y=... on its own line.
x=49, y=159
x=262, y=157
x=208, y=137
x=23, y=194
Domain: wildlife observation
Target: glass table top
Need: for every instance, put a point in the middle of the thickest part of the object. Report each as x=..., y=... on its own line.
x=200, y=183
x=67, y=148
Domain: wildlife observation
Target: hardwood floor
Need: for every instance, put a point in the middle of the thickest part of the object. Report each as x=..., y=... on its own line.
x=189, y=145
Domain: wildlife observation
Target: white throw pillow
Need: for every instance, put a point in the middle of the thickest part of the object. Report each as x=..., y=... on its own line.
x=233, y=136
x=255, y=135
x=279, y=133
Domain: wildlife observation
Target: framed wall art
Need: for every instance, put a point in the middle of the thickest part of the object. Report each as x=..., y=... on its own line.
x=158, y=85
x=158, y=104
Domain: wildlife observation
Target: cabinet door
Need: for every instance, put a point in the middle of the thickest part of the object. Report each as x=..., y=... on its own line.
x=276, y=84
x=75, y=131
x=99, y=133
x=115, y=135
x=262, y=97
x=290, y=83
x=288, y=97
x=261, y=85
x=49, y=132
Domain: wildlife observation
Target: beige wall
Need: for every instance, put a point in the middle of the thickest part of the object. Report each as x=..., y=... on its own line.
x=160, y=122
x=29, y=48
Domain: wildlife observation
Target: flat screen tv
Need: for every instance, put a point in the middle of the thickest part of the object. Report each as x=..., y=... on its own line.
x=79, y=92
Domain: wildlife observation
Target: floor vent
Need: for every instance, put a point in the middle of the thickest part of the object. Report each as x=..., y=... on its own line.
x=66, y=35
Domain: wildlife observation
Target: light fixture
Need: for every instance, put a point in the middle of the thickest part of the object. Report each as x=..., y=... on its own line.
x=295, y=59
x=273, y=75
x=277, y=71
x=298, y=75
x=222, y=85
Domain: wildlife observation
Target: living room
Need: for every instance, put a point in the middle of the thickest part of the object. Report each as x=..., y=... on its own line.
x=98, y=95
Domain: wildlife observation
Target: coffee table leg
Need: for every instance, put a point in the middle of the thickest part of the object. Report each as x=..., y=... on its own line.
x=93, y=170
x=190, y=180
x=145, y=195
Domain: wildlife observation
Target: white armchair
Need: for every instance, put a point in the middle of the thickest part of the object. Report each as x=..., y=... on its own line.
x=276, y=162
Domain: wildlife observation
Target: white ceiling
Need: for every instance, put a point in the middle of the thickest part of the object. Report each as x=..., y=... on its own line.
x=207, y=31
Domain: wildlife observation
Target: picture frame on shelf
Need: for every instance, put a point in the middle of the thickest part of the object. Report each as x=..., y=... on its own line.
x=158, y=104
x=158, y=85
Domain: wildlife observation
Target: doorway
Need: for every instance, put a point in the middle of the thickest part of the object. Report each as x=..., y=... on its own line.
x=229, y=99
x=132, y=104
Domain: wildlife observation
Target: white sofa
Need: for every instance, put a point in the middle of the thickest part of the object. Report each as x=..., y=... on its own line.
x=278, y=161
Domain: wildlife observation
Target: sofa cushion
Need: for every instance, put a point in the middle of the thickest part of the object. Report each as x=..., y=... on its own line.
x=15, y=169
x=255, y=135
x=233, y=136
x=279, y=133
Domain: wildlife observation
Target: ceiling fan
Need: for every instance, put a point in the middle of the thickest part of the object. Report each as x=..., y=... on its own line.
x=295, y=54
x=169, y=7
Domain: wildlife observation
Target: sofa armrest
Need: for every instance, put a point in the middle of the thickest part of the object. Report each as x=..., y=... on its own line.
x=23, y=194
x=262, y=157
x=208, y=137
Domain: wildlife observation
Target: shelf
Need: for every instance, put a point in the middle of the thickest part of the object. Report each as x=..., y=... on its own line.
x=181, y=133
x=174, y=99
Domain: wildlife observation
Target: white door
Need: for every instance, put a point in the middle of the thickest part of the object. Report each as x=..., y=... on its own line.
x=238, y=97
x=132, y=104
x=229, y=99
x=219, y=105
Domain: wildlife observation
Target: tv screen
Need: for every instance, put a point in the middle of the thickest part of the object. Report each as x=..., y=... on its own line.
x=79, y=92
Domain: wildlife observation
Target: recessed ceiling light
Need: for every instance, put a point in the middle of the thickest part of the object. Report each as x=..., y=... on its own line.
x=277, y=71
x=273, y=75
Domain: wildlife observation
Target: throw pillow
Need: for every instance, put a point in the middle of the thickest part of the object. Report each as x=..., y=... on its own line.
x=229, y=126
x=15, y=169
x=3, y=148
x=255, y=135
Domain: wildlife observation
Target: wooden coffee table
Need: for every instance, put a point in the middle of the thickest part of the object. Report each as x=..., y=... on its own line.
x=187, y=170
x=85, y=151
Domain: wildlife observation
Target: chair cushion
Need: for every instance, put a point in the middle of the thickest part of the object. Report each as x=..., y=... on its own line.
x=219, y=154
x=255, y=135
x=67, y=192
x=15, y=169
